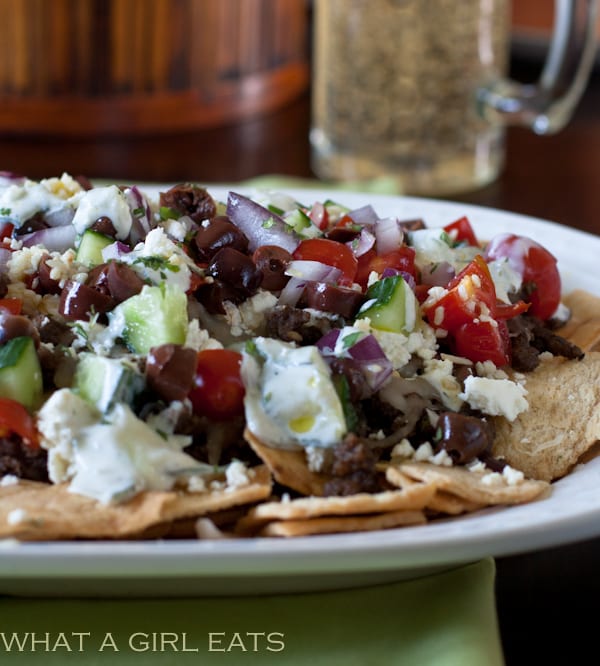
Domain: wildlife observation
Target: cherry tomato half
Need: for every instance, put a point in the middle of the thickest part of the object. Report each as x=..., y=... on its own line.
x=402, y=259
x=14, y=418
x=471, y=293
x=331, y=253
x=218, y=391
x=461, y=231
x=537, y=267
x=485, y=340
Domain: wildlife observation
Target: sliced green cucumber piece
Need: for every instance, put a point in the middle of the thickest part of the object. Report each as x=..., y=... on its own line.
x=155, y=316
x=20, y=372
x=104, y=382
x=391, y=305
x=90, y=247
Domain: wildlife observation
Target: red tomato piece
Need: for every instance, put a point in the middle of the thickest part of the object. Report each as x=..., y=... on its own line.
x=218, y=391
x=12, y=305
x=536, y=265
x=483, y=340
x=470, y=294
x=331, y=253
x=402, y=259
x=6, y=230
x=14, y=418
x=461, y=231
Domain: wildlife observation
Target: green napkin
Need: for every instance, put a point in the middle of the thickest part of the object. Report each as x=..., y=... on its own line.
x=447, y=619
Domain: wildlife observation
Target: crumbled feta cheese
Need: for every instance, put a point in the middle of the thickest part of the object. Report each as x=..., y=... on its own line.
x=424, y=453
x=249, y=317
x=403, y=449
x=25, y=262
x=237, y=474
x=399, y=348
x=438, y=373
x=497, y=397
x=315, y=458
x=512, y=476
x=476, y=466
x=199, y=338
x=196, y=484
x=488, y=369
x=492, y=479
x=442, y=458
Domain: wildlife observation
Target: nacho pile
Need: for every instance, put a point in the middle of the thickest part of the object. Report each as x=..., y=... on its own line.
x=183, y=367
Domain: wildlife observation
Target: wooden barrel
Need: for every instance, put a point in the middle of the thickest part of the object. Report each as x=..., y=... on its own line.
x=79, y=67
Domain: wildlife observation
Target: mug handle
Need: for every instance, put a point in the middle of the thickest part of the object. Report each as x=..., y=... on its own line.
x=547, y=105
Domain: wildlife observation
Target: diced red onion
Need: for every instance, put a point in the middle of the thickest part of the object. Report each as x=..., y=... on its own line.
x=115, y=251
x=260, y=225
x=55, y=239
x=437, y=275
x=366, y=353
x=373, y=362
x=326, y=344
x=407, y=277
x=365, y=215
x=314, y=271
x=362, y=243
x=388, y=234
x=291, y=293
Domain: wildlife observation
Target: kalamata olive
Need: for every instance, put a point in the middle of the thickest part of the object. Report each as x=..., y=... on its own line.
x=463, y=437
x=98, y=279
x=272, y=261
x=235, y=269
x=212, y=295
x=104, y=225
x=329, y=298
x=123, y=281
x=46, y=284
x=116, y=280
x=191, y=200
x=219, y=233
x=78, y=301
x=343, y=234
x=170, y=371
x=16, y=326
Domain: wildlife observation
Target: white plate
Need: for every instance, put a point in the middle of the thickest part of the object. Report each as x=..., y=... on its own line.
x=229, y=567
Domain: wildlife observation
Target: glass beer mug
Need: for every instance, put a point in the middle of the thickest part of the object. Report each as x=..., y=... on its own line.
x=417, y=90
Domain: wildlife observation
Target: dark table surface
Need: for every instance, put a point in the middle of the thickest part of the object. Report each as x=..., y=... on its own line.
x=547, y=600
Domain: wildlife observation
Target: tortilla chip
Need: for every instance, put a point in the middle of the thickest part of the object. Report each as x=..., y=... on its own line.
x=407, y=499
x=483, y=488
x=583, y=328
x=38, y=511
x=289, y=467
x=441, y=502
x=562, y=422
x=330, y=525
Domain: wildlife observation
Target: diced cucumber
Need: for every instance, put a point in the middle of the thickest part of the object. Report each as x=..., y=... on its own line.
x=104, y=382
x=391, y=305
x=299, y=221
x=90, y=247
x=155, y=316
x=20, y=372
